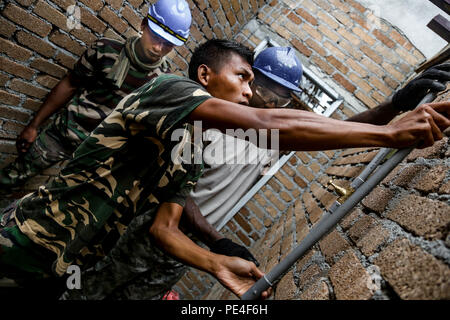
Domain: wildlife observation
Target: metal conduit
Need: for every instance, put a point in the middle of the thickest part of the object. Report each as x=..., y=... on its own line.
x=329, y=220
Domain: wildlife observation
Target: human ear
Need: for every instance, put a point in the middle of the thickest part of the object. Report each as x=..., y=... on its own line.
x=203, y=74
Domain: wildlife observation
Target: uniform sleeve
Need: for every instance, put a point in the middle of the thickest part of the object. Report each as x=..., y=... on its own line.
x=85, y=68
x=163, y=103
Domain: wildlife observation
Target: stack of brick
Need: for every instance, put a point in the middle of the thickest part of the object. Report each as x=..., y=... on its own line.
x=40, y=42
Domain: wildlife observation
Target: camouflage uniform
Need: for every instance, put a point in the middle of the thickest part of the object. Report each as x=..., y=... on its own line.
x=122, y=171
x=96, y=97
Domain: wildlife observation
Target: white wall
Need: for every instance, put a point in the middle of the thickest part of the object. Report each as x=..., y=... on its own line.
x=411, y=17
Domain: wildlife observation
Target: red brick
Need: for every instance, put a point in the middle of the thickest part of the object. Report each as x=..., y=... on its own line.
x=305, y=15
x=65, y=60
x=243, y=238
x=48, y=67
x=374, y=238
x=36, y=44
x=413, y=273
x=95, y=5
x=337, y=64
x=28, y=89
x=52, y=15
x=7, y=28
x=92, y=21
x=424, y=217
x=132, y=17
x=13, y=114
x=113, y=20
x=9, y=98
x=116, y=4
x=310, y=274
x=47, y=81
x=349, y=278
x=84, y=35
x=32, y=104
x=286, y=288
x=435, y=151
x=301, y=47
x=361, y=227
x=23, y=18
x=67, y=43
x=14, y=51
x=380, y=36
x=431, y=181
x=243, y=223
x=3, y=79
x=332, y=244
x=378, y=199
x=344, y=82
x=16, y=69
x=315, y=213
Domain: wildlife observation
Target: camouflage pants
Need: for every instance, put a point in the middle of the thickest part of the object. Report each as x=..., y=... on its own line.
x=48, y=149
x=19, y=256
x=135, y=269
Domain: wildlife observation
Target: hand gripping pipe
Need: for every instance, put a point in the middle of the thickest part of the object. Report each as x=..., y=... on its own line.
x=328, y=221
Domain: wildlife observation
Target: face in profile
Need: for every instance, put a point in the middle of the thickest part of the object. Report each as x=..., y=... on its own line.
x=231, y=81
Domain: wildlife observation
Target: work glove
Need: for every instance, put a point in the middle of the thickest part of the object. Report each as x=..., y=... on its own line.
x=229, y=248
x=433, y=79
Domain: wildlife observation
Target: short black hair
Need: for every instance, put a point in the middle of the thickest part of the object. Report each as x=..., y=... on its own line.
x=214, y=53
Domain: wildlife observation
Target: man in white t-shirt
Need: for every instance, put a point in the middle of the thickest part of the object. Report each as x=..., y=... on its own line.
x=233, y=165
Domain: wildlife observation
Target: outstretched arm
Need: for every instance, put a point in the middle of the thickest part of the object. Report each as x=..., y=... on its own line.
x=302, y=130
x=236, y=274
x=433, y=79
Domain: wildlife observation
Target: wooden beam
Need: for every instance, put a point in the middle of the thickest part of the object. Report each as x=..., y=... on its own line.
x=441, y=26
x=442, y=4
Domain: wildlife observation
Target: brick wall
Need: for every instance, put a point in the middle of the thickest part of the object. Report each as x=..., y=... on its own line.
x=394, y=244
x=364, y=59
x=38, y=47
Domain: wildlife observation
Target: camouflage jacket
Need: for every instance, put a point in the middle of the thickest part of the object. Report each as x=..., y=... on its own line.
x=123, y=169
x=97, y=96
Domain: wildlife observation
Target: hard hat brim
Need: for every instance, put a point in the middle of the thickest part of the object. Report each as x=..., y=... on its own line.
x=163, y=34
x=279, y=80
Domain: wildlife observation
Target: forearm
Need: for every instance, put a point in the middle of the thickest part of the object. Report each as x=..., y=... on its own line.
x=379, y=115
x=55, y=100
x=298, y=130
x=179, y=246
x=193, y=220
x=313, y=132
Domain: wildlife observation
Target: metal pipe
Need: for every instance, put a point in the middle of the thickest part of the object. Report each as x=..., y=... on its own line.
x=325, y=225
x=329, y=221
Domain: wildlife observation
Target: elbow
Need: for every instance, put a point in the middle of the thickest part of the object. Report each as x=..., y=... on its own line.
x=160, y=234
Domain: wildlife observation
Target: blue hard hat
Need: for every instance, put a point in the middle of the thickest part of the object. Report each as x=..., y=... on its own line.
x=171, y=20
x=281, y=65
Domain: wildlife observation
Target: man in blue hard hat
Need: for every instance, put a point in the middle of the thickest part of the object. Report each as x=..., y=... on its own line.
x=106, y=72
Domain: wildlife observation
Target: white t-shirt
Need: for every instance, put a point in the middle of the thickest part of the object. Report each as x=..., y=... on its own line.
x=232, y=166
